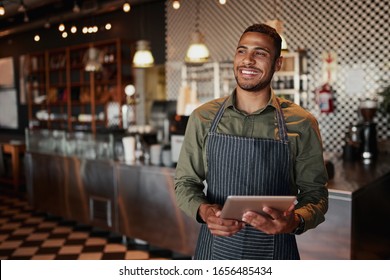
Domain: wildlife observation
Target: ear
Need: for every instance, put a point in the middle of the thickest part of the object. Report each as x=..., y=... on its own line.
x=278, y=63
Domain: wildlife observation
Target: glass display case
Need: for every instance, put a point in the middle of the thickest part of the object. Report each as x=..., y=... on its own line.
x=79, y=144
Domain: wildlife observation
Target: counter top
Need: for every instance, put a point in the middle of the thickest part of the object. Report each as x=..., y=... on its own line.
x=352, y=176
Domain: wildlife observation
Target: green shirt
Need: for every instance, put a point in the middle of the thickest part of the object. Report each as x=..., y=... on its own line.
x=308, y=173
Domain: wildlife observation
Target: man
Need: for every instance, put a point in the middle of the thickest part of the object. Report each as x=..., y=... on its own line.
x=252, y=143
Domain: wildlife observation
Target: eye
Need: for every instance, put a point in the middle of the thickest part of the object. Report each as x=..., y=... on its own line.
x=260, y=53
x=240, y=51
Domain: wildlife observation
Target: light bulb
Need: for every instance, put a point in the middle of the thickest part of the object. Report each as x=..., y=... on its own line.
x=197, y=52
x=176, y=4
x=126, y=7
x=143, y=57
x=2, y=10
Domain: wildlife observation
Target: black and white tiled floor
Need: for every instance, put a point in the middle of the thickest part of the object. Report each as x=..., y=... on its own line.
x=26, y=234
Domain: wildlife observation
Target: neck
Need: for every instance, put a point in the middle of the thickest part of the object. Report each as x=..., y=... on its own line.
x=250, y=102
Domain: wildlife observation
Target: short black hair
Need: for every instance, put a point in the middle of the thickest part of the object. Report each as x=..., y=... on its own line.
x=269, y=31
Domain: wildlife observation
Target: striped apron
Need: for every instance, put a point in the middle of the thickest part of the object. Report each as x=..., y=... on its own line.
x=246, y=166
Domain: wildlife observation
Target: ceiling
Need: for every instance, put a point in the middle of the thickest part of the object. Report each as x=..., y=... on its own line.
x=41, y=12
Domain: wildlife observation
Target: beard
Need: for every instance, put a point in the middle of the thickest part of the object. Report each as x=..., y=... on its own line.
x=253, y=86
x=248, y=86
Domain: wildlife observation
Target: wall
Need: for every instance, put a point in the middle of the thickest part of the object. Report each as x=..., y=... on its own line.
x=355, y=30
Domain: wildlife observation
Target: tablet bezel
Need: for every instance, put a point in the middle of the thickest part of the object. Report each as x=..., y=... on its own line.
x=236, y=205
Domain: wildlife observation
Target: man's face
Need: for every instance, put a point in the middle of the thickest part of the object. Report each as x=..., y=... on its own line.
x=254, y=61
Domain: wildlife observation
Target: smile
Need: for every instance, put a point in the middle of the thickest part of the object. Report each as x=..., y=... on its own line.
x=249, y=72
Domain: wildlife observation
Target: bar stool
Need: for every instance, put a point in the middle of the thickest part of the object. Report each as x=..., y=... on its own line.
x=15, y=149
x=2, y=167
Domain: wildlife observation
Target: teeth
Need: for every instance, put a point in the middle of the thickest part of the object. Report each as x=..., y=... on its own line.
x=248, y=72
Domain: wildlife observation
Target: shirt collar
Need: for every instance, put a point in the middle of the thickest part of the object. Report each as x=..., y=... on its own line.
x=230, y=103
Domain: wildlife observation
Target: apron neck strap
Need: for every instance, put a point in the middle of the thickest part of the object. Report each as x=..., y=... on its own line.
x=279, y=117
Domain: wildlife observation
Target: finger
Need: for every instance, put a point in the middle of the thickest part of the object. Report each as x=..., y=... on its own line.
x=274, y=214
x=225, y=230
x=253, y=218
x=291, y=208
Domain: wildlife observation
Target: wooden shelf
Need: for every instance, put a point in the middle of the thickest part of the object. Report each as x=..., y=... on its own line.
x=59, y=75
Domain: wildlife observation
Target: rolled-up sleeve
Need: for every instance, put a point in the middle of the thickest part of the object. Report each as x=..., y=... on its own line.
x=310, y=175
x=190, y=171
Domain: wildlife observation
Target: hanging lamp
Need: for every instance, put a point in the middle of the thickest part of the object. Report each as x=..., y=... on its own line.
x=143, y=57
x=197, y=52
x=278, y=25
x=2, y=9
x=92, y=60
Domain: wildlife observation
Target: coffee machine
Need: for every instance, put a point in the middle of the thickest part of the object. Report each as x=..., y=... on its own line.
x=368, y=135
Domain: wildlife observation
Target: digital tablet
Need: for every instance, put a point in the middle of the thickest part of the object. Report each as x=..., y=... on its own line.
x=236, y=206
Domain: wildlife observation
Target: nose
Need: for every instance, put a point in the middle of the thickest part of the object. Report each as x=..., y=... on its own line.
x=248, y=59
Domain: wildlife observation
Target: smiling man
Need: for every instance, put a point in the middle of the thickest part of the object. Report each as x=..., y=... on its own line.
x=252, y=143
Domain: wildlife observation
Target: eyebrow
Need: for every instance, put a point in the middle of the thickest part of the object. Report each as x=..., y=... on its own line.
x=256, y=48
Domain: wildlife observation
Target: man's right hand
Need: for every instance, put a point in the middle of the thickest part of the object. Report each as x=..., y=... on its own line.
x=210, y=214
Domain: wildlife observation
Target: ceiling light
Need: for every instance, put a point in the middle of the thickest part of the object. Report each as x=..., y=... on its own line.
x=73, y=29
x=26, y=19
x=37, y=38
x=126, y=7
x=76, y=8
x=197, y=52
x=278, y=25
x=143, y=57
x=92, y=60
x=64, y=34
x=47, y=24
x=108, y=26
x=22, y=7
x=2, y=10
x=61, y=27
x=222, y=2
x=176, y=4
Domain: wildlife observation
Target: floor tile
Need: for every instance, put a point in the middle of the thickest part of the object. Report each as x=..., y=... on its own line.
x=27, y=234
x=25, y=251
x=44, y=257
x=53, y=243
x=90, y=256
x=70, y=250
x=10, y=244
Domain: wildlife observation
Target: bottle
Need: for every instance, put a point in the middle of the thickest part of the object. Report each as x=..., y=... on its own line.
x=139, y=148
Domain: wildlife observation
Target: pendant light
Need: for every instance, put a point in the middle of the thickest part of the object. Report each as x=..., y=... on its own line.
x=197, y=52
x=278, y=25
x=92, y=60
x=143, y=57
x=2, y=10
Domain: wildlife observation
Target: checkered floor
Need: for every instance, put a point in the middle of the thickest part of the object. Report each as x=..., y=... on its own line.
x=26, y=234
